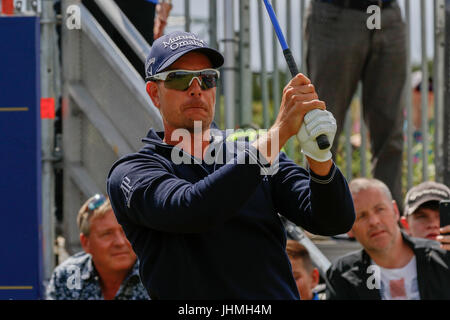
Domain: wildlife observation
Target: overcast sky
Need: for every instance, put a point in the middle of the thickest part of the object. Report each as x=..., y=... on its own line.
x=199, y=11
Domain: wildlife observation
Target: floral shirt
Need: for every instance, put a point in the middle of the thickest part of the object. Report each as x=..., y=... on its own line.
x=77, y=279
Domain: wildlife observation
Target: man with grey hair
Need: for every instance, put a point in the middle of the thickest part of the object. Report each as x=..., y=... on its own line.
x=107, y=269
x=391, y=265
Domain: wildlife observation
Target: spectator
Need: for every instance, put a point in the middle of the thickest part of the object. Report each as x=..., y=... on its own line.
x=341, y=51
x=421, y=216
x=306, y=276
x=208, y=228
x=162, y=13
x=391, y=264
x=416, y=83
x=107, y=269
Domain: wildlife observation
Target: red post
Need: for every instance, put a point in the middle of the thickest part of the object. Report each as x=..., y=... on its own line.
x=8, y=7
x=47, y=108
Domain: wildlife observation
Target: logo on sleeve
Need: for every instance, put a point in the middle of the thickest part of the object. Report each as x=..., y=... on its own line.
x=126, y=189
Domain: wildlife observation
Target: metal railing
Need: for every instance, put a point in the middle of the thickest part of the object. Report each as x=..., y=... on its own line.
x=125, y=28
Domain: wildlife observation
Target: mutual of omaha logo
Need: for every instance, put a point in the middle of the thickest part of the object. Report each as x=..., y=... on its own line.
x=182, y=41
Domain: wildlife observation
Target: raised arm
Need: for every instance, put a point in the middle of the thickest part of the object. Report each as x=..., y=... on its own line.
x=151, y=195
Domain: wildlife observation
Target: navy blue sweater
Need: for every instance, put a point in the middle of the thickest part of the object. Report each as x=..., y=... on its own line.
x=213, y=231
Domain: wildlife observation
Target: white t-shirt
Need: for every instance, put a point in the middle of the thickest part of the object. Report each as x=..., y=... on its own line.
x=400, y=283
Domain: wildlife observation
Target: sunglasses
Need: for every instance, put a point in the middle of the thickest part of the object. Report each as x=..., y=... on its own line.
x=182, y=79
x=96, y=202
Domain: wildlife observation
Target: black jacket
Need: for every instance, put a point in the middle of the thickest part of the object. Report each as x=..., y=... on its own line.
x=205, y=231
x=347, y=277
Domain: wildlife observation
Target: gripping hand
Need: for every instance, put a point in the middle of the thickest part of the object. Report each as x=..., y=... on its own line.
x=315, y=123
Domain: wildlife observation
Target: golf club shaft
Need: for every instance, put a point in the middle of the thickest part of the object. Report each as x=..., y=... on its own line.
x=322, y=140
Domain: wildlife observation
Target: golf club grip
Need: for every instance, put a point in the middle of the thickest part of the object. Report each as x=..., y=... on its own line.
x=322, y=140
x=290, y=62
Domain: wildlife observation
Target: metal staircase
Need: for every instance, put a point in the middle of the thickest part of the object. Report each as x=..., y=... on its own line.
x=105, y=109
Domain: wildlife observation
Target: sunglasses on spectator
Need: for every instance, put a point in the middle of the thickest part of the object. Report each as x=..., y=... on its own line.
x=96, y=202
x=182, y=79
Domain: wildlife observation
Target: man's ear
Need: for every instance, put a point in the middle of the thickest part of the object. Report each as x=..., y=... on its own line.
x=315, y=278
x=85, y=242
x=405, y=224
x=397, y=212
x=152, y=90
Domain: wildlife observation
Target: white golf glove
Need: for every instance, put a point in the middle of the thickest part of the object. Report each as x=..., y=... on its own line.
x=315, y=123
